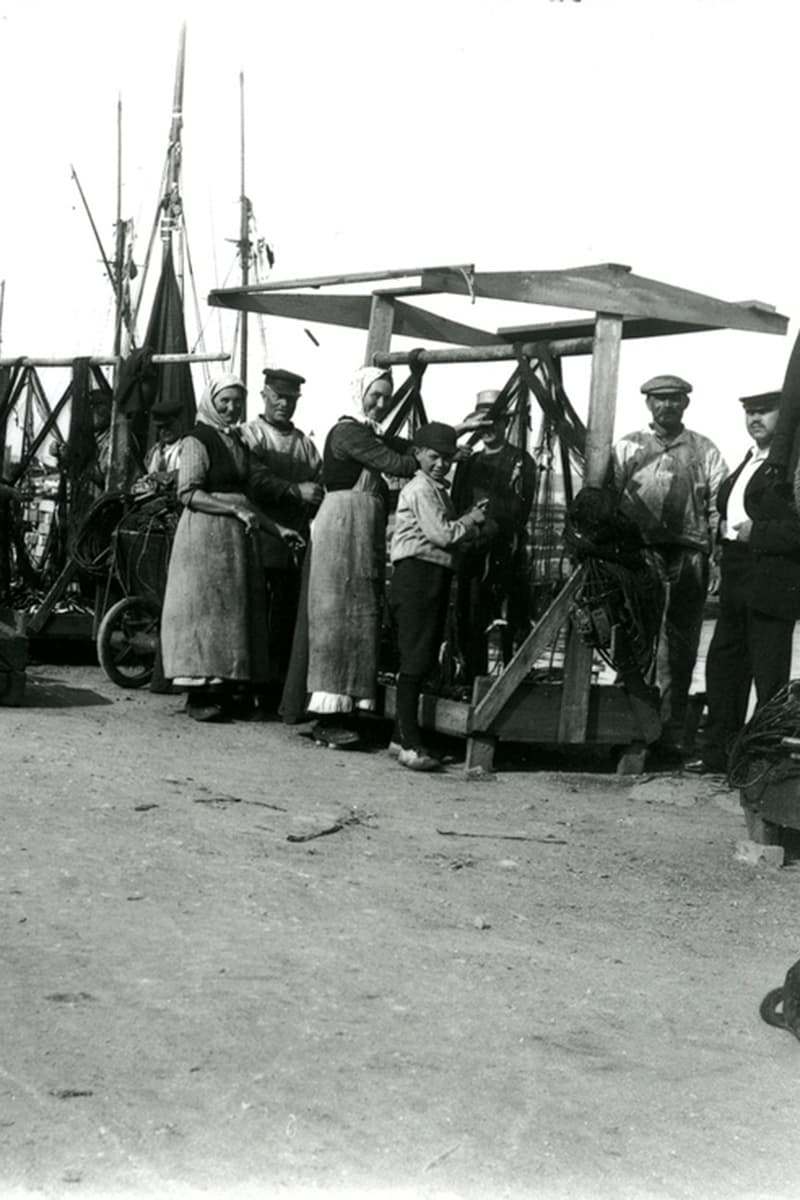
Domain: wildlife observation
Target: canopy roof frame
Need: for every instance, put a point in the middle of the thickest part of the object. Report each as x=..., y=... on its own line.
x=622, y=305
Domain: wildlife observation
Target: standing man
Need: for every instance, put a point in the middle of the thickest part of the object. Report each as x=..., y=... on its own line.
x=492, y=583
x=287, y=483
x=668, y=477
x=759, y=595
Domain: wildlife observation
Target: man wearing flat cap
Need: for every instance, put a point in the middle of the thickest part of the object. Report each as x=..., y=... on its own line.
x=163, y=458
x=668, y=478
x=759, y=595
x=492, y=585
x=287, y=485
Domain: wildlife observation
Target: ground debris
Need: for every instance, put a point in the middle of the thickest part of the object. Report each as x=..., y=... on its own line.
x=548, y=839
x=441, y=1157
x=70, y=1093
x=143, y=807
x=354, y=818
x=223, y=800
x=70, y=997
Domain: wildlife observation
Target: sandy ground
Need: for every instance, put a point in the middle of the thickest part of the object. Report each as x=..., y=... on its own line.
x=564, y=1004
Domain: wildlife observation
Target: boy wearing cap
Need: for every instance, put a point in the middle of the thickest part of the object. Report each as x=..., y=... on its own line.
x=426, y=535
x=759, y=595
x=668, y=478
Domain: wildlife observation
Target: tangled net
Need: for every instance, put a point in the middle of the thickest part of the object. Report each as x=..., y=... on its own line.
x=617, y=607
x=757, y=751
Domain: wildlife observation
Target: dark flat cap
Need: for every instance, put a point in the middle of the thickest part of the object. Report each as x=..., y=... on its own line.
x=285, y=382
x=762, y=402
x=437, y=436
x=165, y=410
x=666, y=384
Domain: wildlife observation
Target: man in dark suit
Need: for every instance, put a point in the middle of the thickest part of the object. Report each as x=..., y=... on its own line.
x=759, y=595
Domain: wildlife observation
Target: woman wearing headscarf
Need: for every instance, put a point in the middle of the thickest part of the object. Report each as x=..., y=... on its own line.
x=335, y=651
x=213, y=624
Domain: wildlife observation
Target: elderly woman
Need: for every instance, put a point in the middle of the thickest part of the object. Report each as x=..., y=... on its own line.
x=347, y=565
x=213, y=624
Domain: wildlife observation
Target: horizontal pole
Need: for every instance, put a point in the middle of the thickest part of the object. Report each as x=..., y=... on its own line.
x=503, y=353
x=112, y=360
x=316, y=281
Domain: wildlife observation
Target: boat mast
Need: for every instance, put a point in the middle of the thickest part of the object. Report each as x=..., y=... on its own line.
x=119, y=256
x=244, y=235
x=172, y=219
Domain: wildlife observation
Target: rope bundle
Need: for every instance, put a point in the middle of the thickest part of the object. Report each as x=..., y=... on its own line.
x=757, y=751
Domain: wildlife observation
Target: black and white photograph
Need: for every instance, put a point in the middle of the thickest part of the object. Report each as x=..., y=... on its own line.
x=399, y=600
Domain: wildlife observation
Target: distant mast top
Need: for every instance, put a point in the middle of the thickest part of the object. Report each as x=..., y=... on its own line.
x=244, y=237
x=172, y=217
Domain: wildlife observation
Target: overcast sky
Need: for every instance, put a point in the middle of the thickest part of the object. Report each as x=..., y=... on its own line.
x=510, y=134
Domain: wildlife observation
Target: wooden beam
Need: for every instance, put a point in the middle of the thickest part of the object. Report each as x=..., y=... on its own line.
x=574, y=717
x=612, y=290
x=602, y=398
x=355, y=312
x=496, y=353
x=633, y=327
x=537, y=641
x=317, y=281
x=381, y=324
x=416, y=322
x=113, y=360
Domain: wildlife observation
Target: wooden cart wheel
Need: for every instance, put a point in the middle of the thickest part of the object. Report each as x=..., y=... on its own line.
x=127, y=641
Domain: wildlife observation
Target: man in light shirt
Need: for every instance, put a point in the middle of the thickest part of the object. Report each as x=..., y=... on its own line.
x=759, y=595
x=667, y=478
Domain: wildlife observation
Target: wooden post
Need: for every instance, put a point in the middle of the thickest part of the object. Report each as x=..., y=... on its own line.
x=599, y=433
x=381, y=324
x=480, y=745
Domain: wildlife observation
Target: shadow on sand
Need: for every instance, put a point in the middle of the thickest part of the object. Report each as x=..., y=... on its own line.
x=44, y=692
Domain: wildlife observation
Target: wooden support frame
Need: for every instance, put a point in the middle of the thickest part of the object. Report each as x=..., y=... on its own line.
x=573, y=710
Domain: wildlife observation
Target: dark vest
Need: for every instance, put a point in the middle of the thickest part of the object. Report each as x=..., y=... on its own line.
x=225, y=473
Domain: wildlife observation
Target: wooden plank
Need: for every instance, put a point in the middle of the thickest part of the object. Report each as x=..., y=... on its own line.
x=602, y=398
x=573, y=721
x=418, y=323
x=352, y=312
x=316, y=281
x=574, y=716
x=433, y=712
x=611, y=290
x=499, y=352
x=776, y=801
x=111, y=360
x=632, y=328
x=355, y=312
x=537, y=641
x=381, y=324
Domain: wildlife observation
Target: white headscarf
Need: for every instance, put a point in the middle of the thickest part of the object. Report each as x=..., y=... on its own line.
x=206, y=412
x=360, y=384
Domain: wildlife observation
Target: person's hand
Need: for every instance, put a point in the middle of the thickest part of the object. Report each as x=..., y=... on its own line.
x=292, y=538
x=248, y=518
x=714, y=576
x=309, y=492
x=743, y=531
x=477, y=514
x=462, y=454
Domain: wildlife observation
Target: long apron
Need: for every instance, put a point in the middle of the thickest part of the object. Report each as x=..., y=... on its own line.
x=213, y=622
